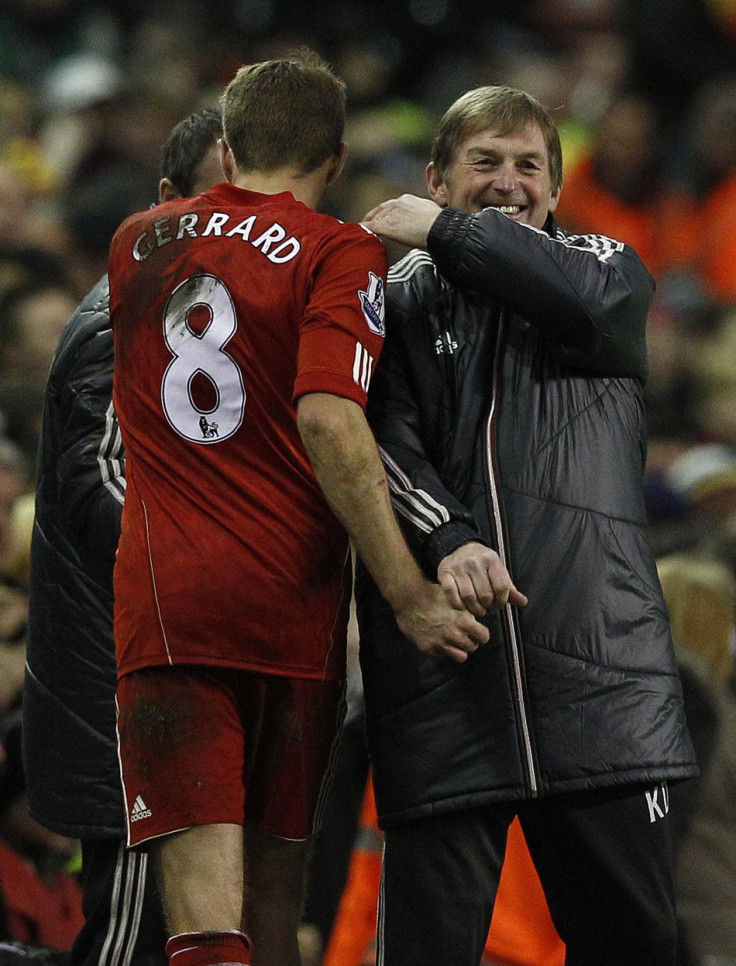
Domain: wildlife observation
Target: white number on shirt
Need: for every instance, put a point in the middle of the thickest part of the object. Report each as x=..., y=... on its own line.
x=199, y=352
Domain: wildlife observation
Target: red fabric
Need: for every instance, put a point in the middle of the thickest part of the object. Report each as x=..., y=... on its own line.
x=46, y=914
x=215, y=335
x=229, y=747
x=209, y=948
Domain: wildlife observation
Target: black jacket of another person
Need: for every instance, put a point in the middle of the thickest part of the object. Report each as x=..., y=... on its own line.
x=70, y=749
x=508, y=407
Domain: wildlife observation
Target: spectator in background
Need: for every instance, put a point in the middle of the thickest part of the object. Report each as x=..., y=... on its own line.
x=35, y=34
x=677, y=47
x=691, y=494
x=78, y=102
x=31, y=320
x=40, y=897
x=23, y=261
x=15, y=481
x=704, y=476
x=620, y=187
x=711, y=185
x=682, y=324
x=714, y=367
x=69, y=701
x=701, y=597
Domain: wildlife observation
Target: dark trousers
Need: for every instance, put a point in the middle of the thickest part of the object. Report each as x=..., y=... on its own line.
x=604, y=859
x=124, y=924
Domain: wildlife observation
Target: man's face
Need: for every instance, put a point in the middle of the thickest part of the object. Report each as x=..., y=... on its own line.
x=510, y=173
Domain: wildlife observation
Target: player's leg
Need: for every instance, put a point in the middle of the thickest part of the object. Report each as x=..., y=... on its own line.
x=289, y=763
x=201, y=878
x=605, y=862
x=182, y=755
x=275, y=873
x=439, y=882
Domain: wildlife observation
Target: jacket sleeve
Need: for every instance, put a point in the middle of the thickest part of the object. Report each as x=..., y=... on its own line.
x=435, y=522
x=91, y=466
x=588, y=295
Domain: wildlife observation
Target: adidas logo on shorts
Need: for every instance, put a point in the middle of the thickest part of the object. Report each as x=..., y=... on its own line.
x=140, y=810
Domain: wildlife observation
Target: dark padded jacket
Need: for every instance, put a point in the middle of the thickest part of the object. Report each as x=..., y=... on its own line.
x=70, y=749
x=508, y=407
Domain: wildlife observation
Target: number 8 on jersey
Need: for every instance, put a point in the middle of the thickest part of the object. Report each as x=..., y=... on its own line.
x=202, y=355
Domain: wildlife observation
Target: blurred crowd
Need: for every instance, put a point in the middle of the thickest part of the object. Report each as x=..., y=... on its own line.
x=645, y=98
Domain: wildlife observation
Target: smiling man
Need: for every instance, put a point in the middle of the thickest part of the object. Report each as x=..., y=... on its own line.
x=508, y=408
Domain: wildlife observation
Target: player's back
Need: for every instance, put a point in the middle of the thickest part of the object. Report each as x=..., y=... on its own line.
x=221, y=306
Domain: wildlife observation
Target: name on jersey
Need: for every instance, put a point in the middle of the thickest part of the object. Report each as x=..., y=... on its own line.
x=272, y=241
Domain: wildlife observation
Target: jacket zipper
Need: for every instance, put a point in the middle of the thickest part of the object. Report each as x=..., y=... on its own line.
x=514, y=644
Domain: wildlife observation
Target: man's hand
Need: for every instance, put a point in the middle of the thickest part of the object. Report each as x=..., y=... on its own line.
x=437, y=628
x=474, y=577
x=407, y=220
x=345, y=460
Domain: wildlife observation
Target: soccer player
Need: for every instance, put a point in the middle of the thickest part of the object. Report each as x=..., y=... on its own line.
x=246, y=328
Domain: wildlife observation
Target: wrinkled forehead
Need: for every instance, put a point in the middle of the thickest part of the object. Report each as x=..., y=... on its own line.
x=521, y=137
x=525, y=142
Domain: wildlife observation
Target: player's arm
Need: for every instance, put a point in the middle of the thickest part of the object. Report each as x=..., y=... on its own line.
x=345, y=459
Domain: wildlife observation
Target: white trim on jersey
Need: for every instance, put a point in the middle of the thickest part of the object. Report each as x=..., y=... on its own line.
x=152, y=571
x=362, y=366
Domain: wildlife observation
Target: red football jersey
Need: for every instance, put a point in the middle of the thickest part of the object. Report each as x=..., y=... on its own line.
x=226, y=308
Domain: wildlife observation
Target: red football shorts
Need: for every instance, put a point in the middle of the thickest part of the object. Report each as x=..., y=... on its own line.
x=204, y=746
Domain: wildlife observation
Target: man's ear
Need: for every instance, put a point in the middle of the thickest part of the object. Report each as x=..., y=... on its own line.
x=436, y=185
x=226, y=159
x=337, y=164
x=554, y=198
x=167, y=190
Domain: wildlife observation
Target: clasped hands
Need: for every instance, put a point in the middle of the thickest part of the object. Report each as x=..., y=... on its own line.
x=474, y=577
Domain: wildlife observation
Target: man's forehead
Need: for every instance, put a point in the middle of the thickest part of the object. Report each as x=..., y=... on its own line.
x=527, y=139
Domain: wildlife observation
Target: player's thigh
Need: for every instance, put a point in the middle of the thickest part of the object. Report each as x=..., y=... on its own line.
x=605, y=862
x=439, y=881
x=182, y=749
x=291, y=752
x=275, y=873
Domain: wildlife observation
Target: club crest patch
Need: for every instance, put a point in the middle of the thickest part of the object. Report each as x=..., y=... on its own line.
x=374, y=304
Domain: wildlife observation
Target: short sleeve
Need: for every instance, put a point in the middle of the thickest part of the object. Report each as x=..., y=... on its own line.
x=343, y=327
